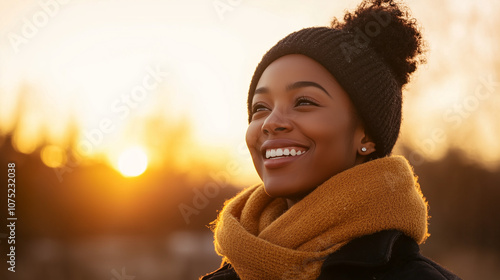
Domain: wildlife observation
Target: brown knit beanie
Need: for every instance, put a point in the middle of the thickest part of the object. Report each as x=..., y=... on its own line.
x=371, y=55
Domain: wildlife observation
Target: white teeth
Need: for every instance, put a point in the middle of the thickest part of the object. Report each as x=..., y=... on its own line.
x=271, y=153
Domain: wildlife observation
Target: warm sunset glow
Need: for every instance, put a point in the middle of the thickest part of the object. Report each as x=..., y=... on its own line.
x=132, y=162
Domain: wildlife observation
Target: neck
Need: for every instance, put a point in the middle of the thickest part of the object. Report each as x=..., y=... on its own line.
x=290, y=202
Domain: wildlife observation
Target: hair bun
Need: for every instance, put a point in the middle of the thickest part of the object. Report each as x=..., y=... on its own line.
x=390, y=31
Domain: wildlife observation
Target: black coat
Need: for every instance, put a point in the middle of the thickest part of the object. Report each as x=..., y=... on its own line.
x=384, y=255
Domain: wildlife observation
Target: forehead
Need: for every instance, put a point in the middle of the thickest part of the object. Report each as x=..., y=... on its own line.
x=295, y=67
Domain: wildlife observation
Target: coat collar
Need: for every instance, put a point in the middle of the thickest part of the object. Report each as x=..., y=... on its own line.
x=367, y=251
x=373, y=250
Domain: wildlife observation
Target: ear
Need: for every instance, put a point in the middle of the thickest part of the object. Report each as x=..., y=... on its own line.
x=363, y=143
x=366, y=145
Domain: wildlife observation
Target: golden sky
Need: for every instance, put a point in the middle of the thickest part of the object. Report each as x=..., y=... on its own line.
x=124, y=74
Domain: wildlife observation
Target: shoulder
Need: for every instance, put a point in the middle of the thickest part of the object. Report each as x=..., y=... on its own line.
x=384, y=255
x=225, y=272
x=421, y=268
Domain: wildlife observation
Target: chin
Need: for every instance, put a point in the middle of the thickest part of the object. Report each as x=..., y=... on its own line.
x=282, y=189
x=275, y=193
x=275, y=189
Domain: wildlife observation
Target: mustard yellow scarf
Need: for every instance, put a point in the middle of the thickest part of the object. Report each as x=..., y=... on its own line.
x=263, y=240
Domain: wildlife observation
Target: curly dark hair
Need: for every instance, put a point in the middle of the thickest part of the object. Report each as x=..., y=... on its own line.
x=399, y=43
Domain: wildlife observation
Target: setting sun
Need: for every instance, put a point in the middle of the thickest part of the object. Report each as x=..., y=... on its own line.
x=132, y=162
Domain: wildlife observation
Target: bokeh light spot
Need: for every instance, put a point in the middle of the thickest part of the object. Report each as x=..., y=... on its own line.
x=53, y=156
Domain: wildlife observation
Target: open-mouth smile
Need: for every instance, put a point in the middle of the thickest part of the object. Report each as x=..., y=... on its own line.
x=278, y=153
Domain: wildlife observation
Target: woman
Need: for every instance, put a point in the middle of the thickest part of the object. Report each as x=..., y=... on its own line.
x=324, y=114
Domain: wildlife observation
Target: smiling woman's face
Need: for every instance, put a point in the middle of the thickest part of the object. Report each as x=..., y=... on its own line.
x=303, y=128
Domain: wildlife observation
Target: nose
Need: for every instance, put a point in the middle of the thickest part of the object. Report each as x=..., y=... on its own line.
x=275, y=122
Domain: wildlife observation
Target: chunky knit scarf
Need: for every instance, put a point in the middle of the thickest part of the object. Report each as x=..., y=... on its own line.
x=262, y=239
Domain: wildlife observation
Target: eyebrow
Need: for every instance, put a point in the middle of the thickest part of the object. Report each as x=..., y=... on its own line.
x=296, y=85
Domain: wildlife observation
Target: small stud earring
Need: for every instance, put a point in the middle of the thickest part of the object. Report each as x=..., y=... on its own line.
x=363, y=149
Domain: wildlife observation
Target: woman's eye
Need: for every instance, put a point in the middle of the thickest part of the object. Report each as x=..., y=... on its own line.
x=259, y=108
x=304, y=101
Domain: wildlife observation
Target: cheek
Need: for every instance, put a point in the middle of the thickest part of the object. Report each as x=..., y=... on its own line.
x=252, y=138
x=330, y=133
